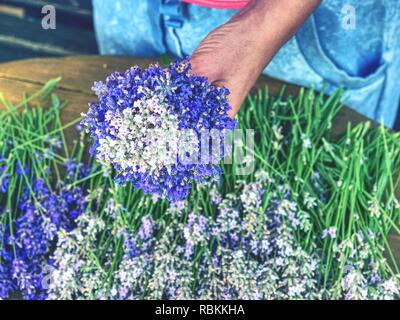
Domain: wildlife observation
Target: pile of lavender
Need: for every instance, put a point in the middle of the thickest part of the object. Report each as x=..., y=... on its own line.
x=147, y=125
x=27, y=244
x=313, y=220
x=246, y=251
x=39, y=195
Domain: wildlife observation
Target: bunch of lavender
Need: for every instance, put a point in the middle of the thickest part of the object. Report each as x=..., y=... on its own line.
x=38, y=194
x=362, y=279
x=147, y=125
x=77, y=273
x=251, y=249
x=346, y=183
x=82, y=272
x=245, y=253
x=27, y=246
x=258, y=256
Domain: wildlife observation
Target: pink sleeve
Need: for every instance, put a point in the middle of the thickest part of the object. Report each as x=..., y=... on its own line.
x=221, y=4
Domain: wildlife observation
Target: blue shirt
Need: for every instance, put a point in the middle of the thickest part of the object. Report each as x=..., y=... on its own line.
x=348, y=43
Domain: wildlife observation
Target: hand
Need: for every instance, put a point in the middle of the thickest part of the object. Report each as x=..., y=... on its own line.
x=234, y=54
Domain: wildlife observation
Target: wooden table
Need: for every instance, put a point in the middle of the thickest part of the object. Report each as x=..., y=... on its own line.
x=79, y=72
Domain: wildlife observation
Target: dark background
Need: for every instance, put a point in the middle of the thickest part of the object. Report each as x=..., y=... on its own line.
x=22, y=36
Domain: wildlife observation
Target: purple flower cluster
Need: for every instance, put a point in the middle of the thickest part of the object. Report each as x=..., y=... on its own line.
x=133, y=103
x=27, y=242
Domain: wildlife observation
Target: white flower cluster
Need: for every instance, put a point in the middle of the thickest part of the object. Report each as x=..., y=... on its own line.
x=362, y=278
x=78, y=273
x=143, y=138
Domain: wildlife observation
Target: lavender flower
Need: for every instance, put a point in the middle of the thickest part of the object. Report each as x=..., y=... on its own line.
x=331, y=232
x=25, y=251
x=140, y=124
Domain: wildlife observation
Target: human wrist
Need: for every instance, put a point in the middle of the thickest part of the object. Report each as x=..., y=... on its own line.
x=275, y=21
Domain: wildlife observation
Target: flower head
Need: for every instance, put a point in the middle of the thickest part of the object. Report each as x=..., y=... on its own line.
x=147, y=124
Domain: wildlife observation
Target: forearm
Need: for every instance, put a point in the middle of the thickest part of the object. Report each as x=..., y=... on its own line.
x=266, y=25
x=284, y=16
x=271, y=23
x=234, y=54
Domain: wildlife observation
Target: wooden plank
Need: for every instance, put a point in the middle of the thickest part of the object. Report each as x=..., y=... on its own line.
x=77, y=101
x=10, y=51
x=30, y=35
x=76, y=13
x=78, y=72
x=84, y=5
x=81, y=6
x=78, y=75
x=71, y=4
x=13, y=11
x=394, y=241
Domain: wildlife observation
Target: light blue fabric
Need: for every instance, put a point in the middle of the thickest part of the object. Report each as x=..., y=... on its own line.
x=365, y=60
